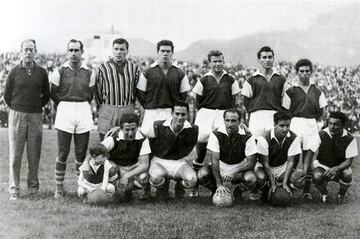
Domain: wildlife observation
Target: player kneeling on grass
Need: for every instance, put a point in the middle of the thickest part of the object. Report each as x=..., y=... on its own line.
x=233, y=150
x=279, y=148
x=171, y=143
x=129, y=152
x=335, y=156
x=96, y=172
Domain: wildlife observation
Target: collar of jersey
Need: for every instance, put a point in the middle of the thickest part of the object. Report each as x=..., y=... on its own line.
x=138, y=135
x=297, y=82
x=328, y=132
x=93, y=166
x=210, y=73
x=272, y=135
x=275, y=72
x=83, y=65
x=222, y=129
x=167, y=123
x=22, y=65
x=156, y=63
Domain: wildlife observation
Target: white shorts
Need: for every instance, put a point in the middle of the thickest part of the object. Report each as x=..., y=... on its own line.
x=152, y=115
x=74, y=117
x=316, y=164
x=171, y=166
x=229, y=169
x=307, y=131
x=261, y=121
x=278, y=171
x=208, y=120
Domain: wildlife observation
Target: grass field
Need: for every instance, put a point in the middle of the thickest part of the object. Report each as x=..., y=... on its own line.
x=44, y=217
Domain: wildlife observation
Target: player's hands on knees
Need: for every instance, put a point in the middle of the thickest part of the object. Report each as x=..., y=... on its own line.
x=227, y=178
x=302, y=176
x=222, y=190
x=330, y=173
x=271, y=190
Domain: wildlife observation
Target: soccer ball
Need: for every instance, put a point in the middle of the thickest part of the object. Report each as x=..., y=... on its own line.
x=122, y=191
x=224, y=200
x=97, y=197
x=280, y=198
x=297, y=179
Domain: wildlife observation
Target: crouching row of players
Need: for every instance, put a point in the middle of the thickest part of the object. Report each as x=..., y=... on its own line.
x=120, y=163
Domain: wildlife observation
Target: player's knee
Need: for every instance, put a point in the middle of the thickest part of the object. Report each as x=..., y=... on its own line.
x=204, y=175
x=190, y=180
x=156, y=174
x=82, y=192
x=318, y=176
x=347, y=175
x=63, y=154
x=156, y=177
x=110, y=189
x=260, y=177
x=143, y=178
x=250, y=178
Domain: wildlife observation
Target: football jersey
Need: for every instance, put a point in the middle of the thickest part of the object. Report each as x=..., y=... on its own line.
x=232, y=150
x=335, y=150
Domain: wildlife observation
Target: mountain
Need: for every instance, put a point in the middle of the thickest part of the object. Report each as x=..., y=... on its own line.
x=332, y=39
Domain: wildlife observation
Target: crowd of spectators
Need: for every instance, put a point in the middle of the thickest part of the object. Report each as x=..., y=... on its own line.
x=341, y=85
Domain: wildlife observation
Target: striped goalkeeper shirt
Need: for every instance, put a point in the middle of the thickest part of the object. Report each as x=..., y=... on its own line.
x=116, y=83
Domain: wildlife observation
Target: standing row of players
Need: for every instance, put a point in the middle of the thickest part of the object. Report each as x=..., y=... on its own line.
x=161, y=89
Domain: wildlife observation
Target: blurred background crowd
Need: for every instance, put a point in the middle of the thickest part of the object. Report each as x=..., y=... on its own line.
x=341, y=85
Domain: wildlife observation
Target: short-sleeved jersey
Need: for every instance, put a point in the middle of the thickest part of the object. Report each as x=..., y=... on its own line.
x=304, y=104
x=264, y=94
x=74, y=84
x=334, y=151
x=126, y=152
x=216, y=94
x=94, y=173
x=232, y=150
x=167, y=144
x=278, y=152
x=162, y=91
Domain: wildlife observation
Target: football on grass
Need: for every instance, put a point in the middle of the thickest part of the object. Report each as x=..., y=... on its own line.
x=97, y=197
x=224, y=200
x=280, y=198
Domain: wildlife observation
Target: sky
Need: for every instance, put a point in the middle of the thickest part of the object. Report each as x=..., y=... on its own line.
x=182, y=21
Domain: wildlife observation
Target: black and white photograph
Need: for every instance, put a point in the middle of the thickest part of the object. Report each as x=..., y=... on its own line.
x=179, y=119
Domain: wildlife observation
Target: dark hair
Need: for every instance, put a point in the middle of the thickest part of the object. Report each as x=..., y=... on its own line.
x=339, y=115
x=303, y=62
x=129, y=118
x=214, y=53
x=26, y=40
x=264, y=49
x=121, y=41
x=281, y=115
x=98, y=149
x=165, y=43
x=181, y=104
x=76, y=41
x=232, y=110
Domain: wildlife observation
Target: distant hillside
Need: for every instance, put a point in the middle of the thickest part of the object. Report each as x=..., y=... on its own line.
x=333, y=39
